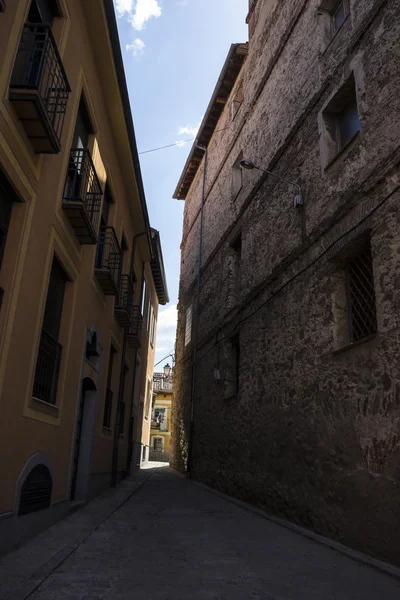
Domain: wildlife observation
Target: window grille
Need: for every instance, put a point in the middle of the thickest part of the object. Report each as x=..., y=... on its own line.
x=188, y=326
x=36, y=491
x=361, y=295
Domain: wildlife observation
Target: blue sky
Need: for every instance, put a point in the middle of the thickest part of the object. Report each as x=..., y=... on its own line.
x=173, y=53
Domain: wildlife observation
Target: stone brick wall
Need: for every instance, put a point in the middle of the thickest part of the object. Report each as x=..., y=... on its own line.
x=313, y=433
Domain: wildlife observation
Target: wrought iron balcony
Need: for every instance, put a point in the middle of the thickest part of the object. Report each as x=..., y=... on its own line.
x=39, y=88
x=47, y=368
x=124, y=301
x=108, y=261
x=82, y=196
x=135, y=328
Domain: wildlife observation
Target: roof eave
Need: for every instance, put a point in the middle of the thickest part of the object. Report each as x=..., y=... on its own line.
x=196, y=154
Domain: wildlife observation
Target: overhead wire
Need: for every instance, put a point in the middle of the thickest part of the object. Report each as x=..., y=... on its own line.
x=301, y=272
x=180, y=143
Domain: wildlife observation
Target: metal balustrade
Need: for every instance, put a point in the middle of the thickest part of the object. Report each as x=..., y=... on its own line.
x=39, y=88
x=135, y=328
x=47, y=368
x=160, y=385
x=82, y=196
x=108, y=261
x=124, y=301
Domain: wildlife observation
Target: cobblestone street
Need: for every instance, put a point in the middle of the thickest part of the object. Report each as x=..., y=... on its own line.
x=170, y=539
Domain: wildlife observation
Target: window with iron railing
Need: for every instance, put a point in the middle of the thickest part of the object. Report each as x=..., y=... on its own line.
x=39, y=87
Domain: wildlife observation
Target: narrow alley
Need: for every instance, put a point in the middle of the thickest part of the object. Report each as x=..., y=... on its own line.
x=166, y=538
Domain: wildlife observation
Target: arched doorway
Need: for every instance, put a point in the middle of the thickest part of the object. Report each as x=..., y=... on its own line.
x=84, y=440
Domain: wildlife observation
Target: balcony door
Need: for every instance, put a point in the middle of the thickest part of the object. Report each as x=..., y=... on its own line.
x=80, y=142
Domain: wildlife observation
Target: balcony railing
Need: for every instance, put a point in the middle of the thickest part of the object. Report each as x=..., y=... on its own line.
x=124, y=301
x=135, y=328
x=82, y=196
x=160, y=385
x=47, y=369
x=108, y=261
x=39, y=88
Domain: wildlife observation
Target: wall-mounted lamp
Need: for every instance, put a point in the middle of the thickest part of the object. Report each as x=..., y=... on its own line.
x=249, y=166
x=167, y=370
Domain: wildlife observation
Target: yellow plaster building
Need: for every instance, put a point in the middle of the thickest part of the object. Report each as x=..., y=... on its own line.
x=160, y=433
x=81, y=270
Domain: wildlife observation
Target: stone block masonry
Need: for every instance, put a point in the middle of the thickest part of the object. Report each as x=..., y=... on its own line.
x=304, y=417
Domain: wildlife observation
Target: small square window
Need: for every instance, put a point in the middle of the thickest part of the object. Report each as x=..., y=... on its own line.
x=237, y=101
x=237, y=177
x=341, y=120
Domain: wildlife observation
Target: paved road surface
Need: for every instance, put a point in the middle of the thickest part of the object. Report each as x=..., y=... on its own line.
x=173, y=540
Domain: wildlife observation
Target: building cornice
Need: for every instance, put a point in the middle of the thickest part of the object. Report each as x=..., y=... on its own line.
x=225, y=84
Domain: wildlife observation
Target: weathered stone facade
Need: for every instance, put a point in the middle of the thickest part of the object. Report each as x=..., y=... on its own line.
x=313, y=432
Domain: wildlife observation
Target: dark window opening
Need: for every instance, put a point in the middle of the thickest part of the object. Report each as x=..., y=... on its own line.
x=361, y=295
x=341, y=119
x=339, y=15
x=92, y=350
x=349, y=122
x=122, y=405
x=83, y=126
x=50, y=351
x=36, y=491
x=7, y=197
x=236, y=362
x=109, y=394
x=43, y=11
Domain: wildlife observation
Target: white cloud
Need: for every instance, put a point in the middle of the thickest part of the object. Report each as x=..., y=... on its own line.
x=123, y=6
x=138, y=12
x=189, y=130
x=137, y=47
x=167, y=318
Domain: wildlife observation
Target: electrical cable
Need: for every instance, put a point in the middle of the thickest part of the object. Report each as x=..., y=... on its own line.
x=301, y=272
x=179, y=143
x=168, y=355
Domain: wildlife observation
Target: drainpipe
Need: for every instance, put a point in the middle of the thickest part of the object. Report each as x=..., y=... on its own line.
x=130, y=441
x=114, y=470
x=196, y=319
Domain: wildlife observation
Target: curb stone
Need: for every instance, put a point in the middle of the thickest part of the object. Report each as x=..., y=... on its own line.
x=30, y=585
x=359, y=557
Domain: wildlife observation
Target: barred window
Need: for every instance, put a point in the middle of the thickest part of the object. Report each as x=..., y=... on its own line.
x=361, y=295
x=188, y=326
